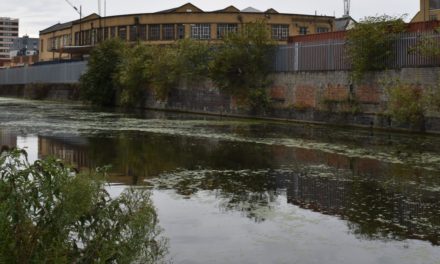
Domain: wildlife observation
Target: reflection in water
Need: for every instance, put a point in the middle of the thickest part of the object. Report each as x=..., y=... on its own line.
x=379, y=200
x=380, y=186
x=374, y=209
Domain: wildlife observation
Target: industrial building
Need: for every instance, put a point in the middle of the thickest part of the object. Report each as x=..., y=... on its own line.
x=429, y=11
x=73, y=39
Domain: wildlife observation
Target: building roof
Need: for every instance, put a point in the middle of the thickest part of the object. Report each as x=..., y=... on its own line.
x=343, y=23
x=271, y=11
x=56, y=27
x=229, y=9
x=61, y=26
x=251, y=10
x=186, y=8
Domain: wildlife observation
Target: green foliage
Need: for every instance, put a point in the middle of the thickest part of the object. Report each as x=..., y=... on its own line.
x=134, y=74
x=97, y=84
x=193, y=59
x=428, y=46
x=349, y=105
x=160, y=68
x=241, y=65
x=407, y=104
x=164, y=71
x=50, y=215
x=370, y=43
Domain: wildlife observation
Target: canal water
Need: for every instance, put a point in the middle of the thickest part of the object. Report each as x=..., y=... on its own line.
x=246, y=191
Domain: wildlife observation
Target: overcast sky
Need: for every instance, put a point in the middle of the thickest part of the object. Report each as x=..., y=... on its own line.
x=36, y=15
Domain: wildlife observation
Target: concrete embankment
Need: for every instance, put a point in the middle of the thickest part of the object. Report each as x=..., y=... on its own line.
x=313, y=97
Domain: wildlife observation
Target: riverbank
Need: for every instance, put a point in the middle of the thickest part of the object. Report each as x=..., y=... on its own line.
x=326, y=98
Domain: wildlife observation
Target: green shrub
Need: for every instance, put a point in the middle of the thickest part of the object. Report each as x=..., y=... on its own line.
x=370, y=43
x=193, y=59
x=134, y=74
x=98, y=84
x=408, y=104
x=164, y=71
x=241, y=65
x=50, y=215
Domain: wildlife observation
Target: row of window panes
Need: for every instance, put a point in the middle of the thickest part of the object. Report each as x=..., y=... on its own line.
x=165, y=32
x=9, y=23
x=58, y=42
x=224, y=29
x=434, y=4
x=6, y=39
x=8, y=29
x=280, y=32
x=10, y=34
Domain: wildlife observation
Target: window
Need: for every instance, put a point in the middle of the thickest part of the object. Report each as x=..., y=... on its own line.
x=122, y=32
x=180, y=31
x=41, y=45
x=168, y=32
x=322, y=30
x=303, y=30
x=434, y=4
x=113, y=32
x=105, y=35
x=77, y=38
x=280, y=32
x=143, y=32
x=224, y=29
x=433, y=17
x=154, y=32
x=201, y=31
x=134, y=34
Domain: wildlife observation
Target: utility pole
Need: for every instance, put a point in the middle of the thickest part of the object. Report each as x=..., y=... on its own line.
x=346, y=8
x=79, y=11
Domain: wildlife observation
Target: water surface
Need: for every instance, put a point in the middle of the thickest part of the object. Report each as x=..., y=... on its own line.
x=245, y=191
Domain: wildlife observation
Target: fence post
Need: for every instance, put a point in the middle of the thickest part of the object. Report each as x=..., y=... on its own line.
x=296, y=62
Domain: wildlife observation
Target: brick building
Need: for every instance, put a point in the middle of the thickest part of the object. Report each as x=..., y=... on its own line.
x=71, y=39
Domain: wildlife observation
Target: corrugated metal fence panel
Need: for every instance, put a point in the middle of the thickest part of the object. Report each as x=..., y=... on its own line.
x=54, y=73
x=331, y=55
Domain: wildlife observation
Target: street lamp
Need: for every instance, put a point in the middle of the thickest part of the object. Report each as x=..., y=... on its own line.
x=79, y=11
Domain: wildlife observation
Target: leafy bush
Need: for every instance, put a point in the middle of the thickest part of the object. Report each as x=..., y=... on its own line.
x=134, y=74
x=164, y=71
x=408, y=104
x=370, y=43
x=97, y=84
x=241, y=65
x=50, y=215
x=193, y=59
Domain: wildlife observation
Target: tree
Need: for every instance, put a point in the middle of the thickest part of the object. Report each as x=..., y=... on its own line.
x=48, y=214
x=98, y=84
x=242, y=64
x=134, y=74
x=370, y=43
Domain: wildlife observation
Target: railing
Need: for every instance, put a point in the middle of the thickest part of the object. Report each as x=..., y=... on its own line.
x=332, y=55
x=329, y=55
x=54, y=73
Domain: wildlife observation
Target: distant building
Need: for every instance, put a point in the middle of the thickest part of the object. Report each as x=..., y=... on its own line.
x=73, y=39
x=8, y=33
x=25, y=45
x=429, y=11
x=345, y=23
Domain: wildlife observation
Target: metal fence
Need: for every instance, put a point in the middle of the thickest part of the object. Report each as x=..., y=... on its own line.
x=54, y=73
x=329, y=55
x=332, y=55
